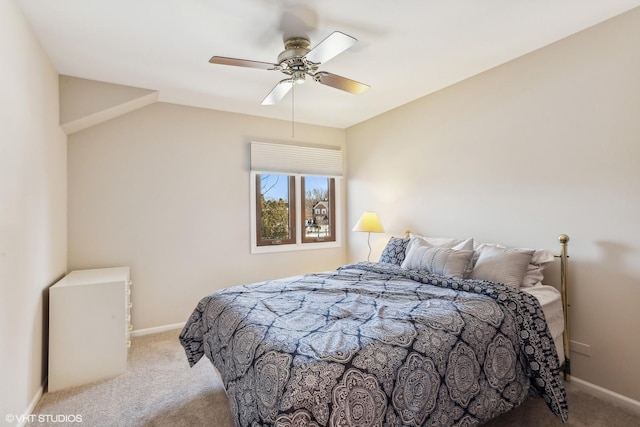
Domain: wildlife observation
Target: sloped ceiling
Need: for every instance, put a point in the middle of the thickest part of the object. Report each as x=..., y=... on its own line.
x=406, y=49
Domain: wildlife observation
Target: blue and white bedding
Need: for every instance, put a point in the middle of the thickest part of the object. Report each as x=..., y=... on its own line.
x=374, y=344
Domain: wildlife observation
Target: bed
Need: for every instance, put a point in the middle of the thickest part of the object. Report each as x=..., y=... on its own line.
x=420, y=338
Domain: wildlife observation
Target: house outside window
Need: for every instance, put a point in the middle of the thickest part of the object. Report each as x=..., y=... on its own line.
x=319, y=219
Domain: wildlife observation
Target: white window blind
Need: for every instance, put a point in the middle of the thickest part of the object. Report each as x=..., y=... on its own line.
x=270, y=157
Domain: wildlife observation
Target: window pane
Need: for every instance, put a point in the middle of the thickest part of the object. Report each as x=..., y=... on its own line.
x=276, y=209
x=318, y=209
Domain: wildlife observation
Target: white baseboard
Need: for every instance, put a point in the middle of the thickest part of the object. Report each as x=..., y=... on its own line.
x=155, y=330
x=606, y=394
x=26, y=417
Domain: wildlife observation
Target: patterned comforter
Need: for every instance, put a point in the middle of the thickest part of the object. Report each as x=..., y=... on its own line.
x=373, y=344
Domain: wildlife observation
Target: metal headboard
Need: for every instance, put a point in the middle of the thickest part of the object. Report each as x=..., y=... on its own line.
x=564, y=290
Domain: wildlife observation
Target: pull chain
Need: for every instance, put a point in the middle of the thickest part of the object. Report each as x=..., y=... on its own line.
x=293, y=90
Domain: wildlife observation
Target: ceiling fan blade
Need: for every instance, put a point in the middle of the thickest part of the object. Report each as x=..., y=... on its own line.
x=341, y=83
x=332, y=46
x=242, y=63
x=278, y=92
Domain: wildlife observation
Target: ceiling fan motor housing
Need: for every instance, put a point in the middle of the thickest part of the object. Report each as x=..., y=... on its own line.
x=294, y=48
x=292, y=60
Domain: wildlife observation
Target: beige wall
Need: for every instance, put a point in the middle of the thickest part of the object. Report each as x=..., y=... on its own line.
x=165, y=190
x=546, y=144
x=32, y=208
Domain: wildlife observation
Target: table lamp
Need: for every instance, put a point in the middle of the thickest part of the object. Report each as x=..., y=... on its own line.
x=370, y=223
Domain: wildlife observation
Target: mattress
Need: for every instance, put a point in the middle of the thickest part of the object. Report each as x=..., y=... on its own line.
x=551, y=301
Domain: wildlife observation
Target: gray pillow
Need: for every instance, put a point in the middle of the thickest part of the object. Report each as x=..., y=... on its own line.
x=502, y=265
x=443, y=261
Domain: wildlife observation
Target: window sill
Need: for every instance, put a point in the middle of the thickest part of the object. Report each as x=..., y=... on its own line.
x=294, y=247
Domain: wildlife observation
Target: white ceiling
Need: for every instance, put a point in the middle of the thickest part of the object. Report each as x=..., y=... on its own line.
x=406, y=48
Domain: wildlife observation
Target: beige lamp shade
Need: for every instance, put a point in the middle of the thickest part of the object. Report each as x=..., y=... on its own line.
x=369, y=222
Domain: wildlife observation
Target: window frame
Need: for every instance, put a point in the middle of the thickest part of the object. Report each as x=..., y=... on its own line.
x=292, y=214
x=332, y=214
x=298, y=244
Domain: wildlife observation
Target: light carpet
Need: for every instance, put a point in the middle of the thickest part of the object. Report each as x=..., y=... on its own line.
x=159, y=389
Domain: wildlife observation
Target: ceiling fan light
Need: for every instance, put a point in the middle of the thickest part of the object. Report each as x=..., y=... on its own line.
x=298, y=77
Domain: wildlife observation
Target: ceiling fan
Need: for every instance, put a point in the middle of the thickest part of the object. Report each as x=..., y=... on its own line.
x=298, y=60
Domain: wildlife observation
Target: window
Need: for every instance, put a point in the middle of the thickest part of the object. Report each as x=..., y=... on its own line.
x=285, y=204
x=295, y=197
x=318, y=193
x=275, y=209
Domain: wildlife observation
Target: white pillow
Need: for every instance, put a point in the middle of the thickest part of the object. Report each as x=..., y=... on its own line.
x=502, y=265
x=539, y=261
x=446, y=262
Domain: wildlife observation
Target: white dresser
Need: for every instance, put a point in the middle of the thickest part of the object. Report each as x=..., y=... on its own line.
x=89, y=326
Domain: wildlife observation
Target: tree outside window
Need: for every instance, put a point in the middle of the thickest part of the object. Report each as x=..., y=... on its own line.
x=275, y=209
